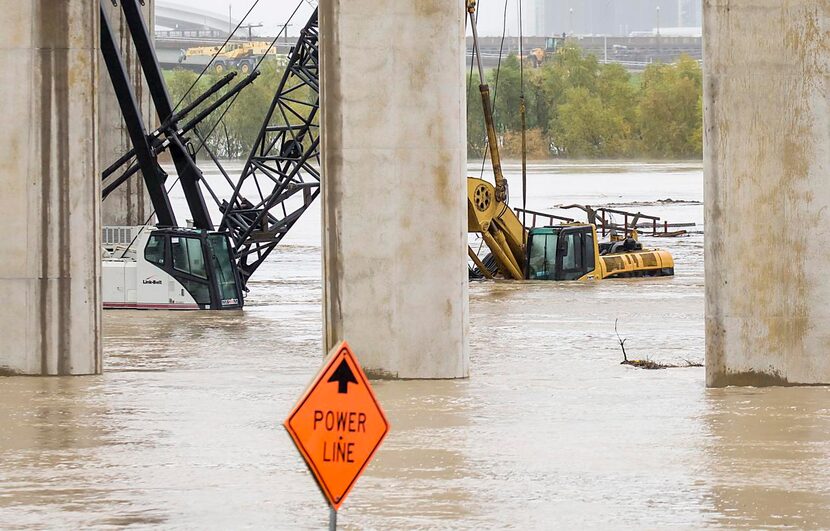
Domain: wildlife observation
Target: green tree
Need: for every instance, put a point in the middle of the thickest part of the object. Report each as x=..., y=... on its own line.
x=587, y=128
x=241, y=118
x=579, y=70
x=506, y=89
x=585, y=109
x=669, y=114
x=616, y=91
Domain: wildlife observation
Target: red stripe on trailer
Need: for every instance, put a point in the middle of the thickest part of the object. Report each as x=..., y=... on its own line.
x=149, y=306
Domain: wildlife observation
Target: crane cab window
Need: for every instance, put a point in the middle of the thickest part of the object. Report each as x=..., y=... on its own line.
x=576, y=252
x=188, y=256
x=590, y=254
x=154, y=250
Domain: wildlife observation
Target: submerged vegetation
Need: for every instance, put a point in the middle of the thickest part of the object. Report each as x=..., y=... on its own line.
x=579, y=108
x=647, y=363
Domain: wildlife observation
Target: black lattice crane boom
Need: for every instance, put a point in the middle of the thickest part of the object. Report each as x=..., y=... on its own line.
x=281, y=177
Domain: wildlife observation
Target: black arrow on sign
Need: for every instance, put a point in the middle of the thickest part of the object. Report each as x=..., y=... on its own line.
x=343, y=375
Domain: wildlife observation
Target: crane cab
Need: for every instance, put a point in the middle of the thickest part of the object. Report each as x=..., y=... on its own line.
x=174, y=269
x=572, y=252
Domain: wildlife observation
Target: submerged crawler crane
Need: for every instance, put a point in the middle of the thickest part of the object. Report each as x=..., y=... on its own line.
x=167, y=266
x=172, y=267
x=569, y=251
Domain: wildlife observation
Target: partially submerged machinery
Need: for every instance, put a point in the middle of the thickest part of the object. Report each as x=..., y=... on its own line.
x=566, y=251
x=569, y=251
x=207, y=266
x=170, y=269
x=572, y=252
x=201, y=266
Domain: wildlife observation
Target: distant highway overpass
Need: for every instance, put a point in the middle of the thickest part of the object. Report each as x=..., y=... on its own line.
x=180, y=26
x=183, y=17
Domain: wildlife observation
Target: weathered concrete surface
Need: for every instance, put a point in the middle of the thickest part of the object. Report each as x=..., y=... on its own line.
x=50, y=320
x=130, y=203
x=394, y=204
x=767, y=167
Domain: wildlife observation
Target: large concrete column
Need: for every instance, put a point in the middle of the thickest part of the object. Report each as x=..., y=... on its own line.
x=130, y=203
x=767, y=166
x=394, y=203
x=50, y=319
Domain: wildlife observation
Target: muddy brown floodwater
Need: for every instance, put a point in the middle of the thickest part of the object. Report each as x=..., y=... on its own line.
x=183, y=431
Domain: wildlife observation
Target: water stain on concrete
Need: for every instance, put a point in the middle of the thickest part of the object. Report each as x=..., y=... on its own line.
x=763, y=197
x=755, y=379
x=380, y=374
x=429, y=8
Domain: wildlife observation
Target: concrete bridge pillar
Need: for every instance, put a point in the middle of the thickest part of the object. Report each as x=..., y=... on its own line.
x=767, y=167
x=130, y=203
x=394, y=190
x=50, y=319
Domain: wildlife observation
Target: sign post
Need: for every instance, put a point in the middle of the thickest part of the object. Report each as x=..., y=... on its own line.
x=337, y=425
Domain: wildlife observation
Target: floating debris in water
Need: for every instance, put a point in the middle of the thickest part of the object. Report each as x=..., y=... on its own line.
x=647, y=363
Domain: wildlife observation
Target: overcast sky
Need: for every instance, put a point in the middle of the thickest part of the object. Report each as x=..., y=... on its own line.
x=274, y=13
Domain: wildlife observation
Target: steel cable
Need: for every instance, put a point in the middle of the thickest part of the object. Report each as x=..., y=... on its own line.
x=523, y=110
x=218, y=51
x=205, y=138
x=496, y=86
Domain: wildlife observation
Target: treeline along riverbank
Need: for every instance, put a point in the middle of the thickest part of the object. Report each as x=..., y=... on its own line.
x=576, y=108
x=579, y=108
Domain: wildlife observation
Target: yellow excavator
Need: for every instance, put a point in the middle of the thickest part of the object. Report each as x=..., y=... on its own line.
x=569, y=251
x=538, y=56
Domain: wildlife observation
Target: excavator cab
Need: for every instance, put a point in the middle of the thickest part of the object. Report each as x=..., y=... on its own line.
x=561, y=253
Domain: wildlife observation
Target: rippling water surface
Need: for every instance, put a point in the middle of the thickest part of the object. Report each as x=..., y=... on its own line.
x=183, y=432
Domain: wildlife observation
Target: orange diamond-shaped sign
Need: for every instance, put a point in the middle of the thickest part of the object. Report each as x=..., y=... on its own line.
x=338, y=424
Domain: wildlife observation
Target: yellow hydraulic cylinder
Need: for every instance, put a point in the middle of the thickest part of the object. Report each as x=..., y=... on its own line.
x=501, y=186
x=501, y=251
x=477, y=261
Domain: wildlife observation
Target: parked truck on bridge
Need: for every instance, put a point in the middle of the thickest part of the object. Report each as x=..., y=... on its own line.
x=242, y=56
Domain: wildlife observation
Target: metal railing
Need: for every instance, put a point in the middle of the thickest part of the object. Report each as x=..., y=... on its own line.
x=601, y=217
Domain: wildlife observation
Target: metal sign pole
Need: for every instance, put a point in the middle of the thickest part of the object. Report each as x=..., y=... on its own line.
x=332, y=519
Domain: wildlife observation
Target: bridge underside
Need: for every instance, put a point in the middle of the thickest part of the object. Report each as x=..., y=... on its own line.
x=181, y=16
